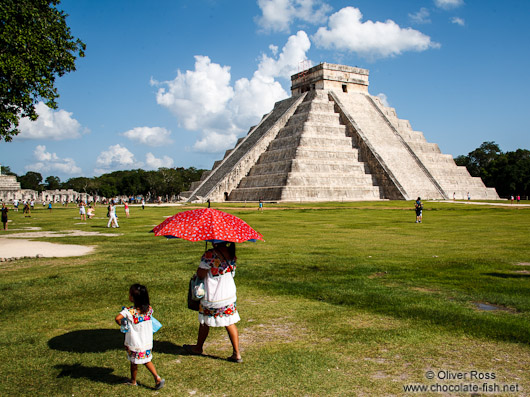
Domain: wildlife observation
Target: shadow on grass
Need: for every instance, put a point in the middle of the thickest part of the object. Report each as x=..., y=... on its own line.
x=451, y=316
x=95, y=374
x=103, y=340
x=507, y=275
x=88, y=341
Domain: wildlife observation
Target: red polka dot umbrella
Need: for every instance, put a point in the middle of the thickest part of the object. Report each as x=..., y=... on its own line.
x=207, y=224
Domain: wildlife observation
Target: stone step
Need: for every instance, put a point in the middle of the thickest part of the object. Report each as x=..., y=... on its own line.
x=343, y=154
x=308, y=193
x=315, y=118
x=312, y=130
x=314, y=106
x=313, y=142
x=301, y=165
x=424, y=147
x=272, y=193
x=308, y=179
x=318, y=193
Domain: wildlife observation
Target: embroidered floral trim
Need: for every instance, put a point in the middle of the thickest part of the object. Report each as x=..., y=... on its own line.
x=217, y=266
x=138, y=355
x=140, y=317
x=220, y=311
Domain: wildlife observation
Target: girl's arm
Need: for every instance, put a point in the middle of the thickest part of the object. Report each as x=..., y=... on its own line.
x=119, y=318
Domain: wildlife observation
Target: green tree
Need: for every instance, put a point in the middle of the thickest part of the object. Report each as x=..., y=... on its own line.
x=477, y=160
x=30, y=180
x=35, y=46
x=6, y=170
x=52, y=183
x=508, y=172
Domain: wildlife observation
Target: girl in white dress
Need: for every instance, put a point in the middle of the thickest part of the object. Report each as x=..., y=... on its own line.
x=139, y=337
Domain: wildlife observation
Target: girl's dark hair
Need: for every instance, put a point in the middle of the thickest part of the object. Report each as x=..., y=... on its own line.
x=140, y=297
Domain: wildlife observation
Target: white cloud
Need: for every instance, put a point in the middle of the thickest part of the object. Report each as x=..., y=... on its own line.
x=448, y=4
x=212, y=141
x=50, y=163
x=287, y=62
x=204, y=100
x=278, y=15
x=369, y=39
x=51, y=124
x=458, y=21
x=421, y=17
x=154, y=163
x=150, y=136
x=384, y=99
x=198, y=98
x=117, y=157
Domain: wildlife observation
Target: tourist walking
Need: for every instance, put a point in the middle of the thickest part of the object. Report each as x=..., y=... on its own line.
x=126, y=206
x=113, y=220
x=418, y=206
x=218, y=307
x=138, y=327
x=4, y=215
x=82, y=211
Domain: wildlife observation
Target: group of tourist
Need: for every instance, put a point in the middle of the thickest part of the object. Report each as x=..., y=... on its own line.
x=217, y=309
x=513, y=198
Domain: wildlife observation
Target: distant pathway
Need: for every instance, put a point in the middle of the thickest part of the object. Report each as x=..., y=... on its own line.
x=502, y=204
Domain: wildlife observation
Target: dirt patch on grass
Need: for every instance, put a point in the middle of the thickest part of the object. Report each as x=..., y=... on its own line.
x=281, y=330
x=491, y=307
x=20, y=249
x=523, y=264
x=426, y=290
x=378, y=275
x=62, y=233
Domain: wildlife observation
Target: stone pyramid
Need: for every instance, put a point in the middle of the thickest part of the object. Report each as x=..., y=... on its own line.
x=333, y=141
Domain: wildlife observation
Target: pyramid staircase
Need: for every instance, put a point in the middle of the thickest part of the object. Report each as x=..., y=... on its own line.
x=311, y=159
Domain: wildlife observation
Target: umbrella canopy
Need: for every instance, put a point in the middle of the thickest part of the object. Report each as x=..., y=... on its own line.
x=207, y=224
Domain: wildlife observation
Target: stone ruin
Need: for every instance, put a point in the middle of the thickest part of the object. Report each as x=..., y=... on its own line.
x=333, y=141
x=10, y=190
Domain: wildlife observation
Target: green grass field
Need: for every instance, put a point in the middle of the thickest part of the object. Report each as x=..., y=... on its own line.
x=341, y=299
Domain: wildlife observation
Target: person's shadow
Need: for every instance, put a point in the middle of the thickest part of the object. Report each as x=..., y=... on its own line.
x=103, y=340
x=99, y=341
x=95, y=374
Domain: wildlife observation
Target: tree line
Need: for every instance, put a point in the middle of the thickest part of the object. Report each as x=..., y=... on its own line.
x=164, y=182
x=507, y=172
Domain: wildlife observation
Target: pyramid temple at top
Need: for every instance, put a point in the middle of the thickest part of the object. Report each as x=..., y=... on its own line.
x=333, y=141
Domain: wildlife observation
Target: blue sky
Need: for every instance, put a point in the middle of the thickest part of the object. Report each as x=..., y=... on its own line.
x=174, y=83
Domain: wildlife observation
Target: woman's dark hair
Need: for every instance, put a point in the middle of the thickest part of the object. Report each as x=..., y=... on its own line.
x=140, y=297
x=231, y=248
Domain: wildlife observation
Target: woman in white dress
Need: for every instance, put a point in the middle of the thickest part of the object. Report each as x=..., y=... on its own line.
x=218, y=307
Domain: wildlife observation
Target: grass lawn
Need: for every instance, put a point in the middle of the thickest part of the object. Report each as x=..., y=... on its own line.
x=341, y=299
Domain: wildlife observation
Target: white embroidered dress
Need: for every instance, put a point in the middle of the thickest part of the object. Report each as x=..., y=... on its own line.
x=218, y=307
x=139, y=339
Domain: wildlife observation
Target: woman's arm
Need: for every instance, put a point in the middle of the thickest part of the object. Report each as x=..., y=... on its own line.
x=202, y=273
